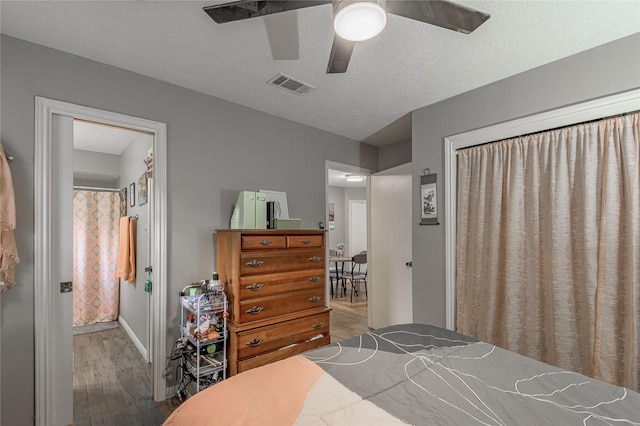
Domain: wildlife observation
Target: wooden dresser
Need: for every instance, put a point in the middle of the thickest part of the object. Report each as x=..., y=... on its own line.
x=275, y=282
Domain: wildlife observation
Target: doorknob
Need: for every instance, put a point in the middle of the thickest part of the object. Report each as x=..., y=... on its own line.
x=409, y=264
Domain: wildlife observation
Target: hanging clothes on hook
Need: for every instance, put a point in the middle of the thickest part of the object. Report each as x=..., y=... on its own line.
x=8, y=249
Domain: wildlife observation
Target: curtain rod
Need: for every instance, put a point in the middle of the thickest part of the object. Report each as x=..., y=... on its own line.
x=92, y=188
x=595, y=120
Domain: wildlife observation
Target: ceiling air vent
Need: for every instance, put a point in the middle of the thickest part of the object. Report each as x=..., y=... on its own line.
x=291, y=84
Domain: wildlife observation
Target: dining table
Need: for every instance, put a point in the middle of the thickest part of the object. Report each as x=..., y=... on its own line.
x=339, y=270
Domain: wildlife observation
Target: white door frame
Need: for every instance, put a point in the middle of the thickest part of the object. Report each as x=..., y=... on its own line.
x=44, y=110
x=586, y=111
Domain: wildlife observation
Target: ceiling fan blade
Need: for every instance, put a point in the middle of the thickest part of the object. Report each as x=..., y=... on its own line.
x=245, y=9
x=442, y=13
x=340, y=55
x=282, y=31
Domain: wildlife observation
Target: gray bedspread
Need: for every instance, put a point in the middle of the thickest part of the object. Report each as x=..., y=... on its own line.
x=426, y=375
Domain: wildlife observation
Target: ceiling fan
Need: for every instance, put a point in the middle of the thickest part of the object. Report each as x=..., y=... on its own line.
x=357, y=20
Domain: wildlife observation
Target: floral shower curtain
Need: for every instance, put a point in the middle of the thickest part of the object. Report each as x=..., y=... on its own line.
x=95, y=257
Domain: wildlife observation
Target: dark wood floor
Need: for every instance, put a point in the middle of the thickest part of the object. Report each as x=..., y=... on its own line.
x=112, y=382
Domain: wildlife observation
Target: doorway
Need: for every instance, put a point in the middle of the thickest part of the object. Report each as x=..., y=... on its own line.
x=347, y=230
x=108, y=161
x=388, y=198
x=53, y=177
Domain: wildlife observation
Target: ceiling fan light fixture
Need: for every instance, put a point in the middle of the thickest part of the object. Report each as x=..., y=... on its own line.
x=354, y=178
x=360, y=21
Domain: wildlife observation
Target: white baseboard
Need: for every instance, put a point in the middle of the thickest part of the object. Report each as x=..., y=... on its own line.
x=134, y=339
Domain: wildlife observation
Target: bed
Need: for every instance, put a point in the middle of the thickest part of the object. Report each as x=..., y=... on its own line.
x=410, y=374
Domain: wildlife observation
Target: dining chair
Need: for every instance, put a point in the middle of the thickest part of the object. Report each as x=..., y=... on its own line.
x=357, y=275
x=333, y=271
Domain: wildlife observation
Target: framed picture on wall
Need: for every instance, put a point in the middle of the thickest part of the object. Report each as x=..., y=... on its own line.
x=142, y=189
x=429, y=200
x=132, y=195
x=123, y=202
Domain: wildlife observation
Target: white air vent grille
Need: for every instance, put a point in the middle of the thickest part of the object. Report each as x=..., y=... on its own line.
x=291, y=84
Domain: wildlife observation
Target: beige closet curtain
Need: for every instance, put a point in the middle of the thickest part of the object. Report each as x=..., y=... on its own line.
x=548, y=246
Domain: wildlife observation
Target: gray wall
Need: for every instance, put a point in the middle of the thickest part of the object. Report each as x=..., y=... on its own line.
x=605, y=70
x=134, y=301
x=214, y=149
x=95, y=169
x=393, y=155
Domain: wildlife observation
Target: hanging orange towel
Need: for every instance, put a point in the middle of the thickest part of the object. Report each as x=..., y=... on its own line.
x=127, y=249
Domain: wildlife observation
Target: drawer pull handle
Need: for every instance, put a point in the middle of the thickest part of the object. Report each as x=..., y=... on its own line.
x=255, y=263
x=254, y=343
x=315, y=279
x=305, y=241
x=265, y=242
x=318, y=325
x=255, y=310
x=315, y=259
x=255, y=286
x=314, y=299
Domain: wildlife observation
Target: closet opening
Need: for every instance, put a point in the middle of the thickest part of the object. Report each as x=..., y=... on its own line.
x=538, y=203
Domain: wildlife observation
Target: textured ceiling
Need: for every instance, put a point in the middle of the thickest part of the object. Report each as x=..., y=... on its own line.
x=409, y=65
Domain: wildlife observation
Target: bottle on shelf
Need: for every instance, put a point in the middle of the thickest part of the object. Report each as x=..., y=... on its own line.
x=215, y=284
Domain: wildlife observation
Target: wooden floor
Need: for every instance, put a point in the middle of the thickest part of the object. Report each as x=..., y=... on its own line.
x=112, y=382
x=348, y=319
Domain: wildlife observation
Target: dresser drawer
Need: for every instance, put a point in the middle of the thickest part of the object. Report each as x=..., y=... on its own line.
x=263, y=242
x=297, y=241
x=280, y=304
x=280, y=335
x=280, y=261
x=255, y=286
x=270, y=357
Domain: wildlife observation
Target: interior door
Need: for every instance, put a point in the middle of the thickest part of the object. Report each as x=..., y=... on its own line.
x=390, y=275
x=61, y=269
x=357, y=226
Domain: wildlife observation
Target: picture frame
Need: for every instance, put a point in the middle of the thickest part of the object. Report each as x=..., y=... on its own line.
x=429, y=199
x=281, y=209
x=132, y=194
x=142, y=189
x=123, y=201
x=332, y=217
